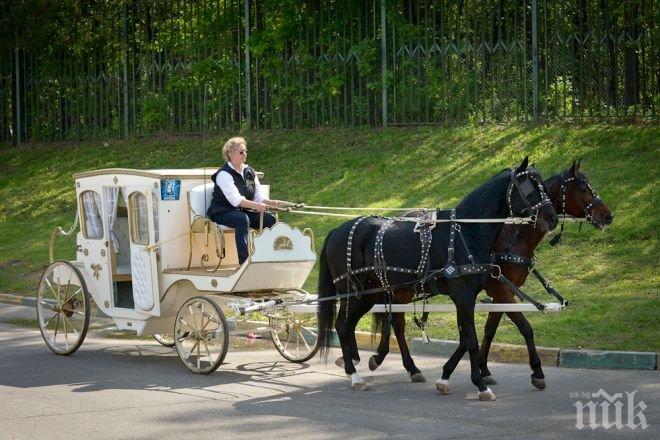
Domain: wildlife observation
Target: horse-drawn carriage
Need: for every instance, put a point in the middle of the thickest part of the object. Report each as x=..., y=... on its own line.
x=151, y=261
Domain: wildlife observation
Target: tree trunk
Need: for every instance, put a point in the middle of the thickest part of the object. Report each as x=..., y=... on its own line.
x=631, y=59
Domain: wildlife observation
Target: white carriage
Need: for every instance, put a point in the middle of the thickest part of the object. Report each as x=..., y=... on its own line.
x=151, y=261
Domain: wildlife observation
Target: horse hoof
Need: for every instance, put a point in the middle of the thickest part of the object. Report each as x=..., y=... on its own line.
x=488, y=380
x=538, y=383
x=486, y=396
x=417, y=377
x=443, y=387
x=340, y=362
x=373, y=364
x=359, y=386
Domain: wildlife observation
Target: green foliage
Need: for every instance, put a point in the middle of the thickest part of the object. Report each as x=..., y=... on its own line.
x=610, y=278
x=155, y=112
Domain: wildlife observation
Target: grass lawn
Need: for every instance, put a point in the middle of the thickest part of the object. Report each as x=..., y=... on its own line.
x=610, y=278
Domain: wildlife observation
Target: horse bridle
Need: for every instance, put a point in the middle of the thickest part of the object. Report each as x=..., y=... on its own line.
x=526, y=188
x=589, y=207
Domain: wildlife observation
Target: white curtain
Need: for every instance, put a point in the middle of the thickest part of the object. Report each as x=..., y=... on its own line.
x=92, y=213
x=142, y=220
x=111, y=201
x=154, y=198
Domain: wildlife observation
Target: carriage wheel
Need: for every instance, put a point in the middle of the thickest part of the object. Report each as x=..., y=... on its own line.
x=63, y=307
x=165, y=340
x=294, y=336
x=201, y=335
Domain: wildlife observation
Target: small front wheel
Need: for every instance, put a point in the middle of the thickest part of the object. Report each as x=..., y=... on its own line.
x=201, y=335
x=295, y=336
x=63, y=308
x=164, y=340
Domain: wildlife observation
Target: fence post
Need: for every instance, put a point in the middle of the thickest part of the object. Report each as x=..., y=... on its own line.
x=535, y=61
x=248, y=95
x=17, y=91
x=383, y=56
x=125, y=16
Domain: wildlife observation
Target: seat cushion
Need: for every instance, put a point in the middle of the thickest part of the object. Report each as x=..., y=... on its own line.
x=200, y=199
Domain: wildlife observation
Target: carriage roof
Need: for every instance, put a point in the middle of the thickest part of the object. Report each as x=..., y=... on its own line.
x=187, y=173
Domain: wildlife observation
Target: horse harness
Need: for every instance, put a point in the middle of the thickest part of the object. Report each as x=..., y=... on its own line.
x=586, y=209
x=427, y=278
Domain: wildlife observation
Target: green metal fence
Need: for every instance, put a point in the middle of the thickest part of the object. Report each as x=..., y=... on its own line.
x=135, y=67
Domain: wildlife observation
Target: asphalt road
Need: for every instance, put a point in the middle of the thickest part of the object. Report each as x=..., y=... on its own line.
x=137, y=389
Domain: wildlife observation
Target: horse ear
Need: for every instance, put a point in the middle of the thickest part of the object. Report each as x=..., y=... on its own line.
x=523, y=165
x=574, y=168
x=578, y=164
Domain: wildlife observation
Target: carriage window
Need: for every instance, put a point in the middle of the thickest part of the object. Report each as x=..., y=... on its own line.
x=92, y=223
x=138, y=218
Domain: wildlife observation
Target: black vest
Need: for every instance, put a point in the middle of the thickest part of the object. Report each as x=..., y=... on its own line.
x=245, y=184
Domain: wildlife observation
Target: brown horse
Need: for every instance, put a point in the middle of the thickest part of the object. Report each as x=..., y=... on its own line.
x=571, y=195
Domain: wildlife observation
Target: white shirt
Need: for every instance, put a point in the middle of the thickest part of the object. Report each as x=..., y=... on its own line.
x=226, y=183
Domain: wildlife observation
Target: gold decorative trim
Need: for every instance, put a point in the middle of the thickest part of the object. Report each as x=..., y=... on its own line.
x=97, y=270
x=282, y=243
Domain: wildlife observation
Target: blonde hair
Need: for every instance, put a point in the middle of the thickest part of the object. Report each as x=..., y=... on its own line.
x=232, y=145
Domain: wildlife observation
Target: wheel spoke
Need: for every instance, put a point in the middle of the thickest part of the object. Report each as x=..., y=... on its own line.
x=192, y=315
x=191, y=350
x=72, y=295
x=57, y=326
x=71, y=325
x=304, y=340
x=214, y=342
x=183, y=321
x=208, y=352
x=68, y=286
x=287, y=341
x=50, y=286
x=198, y=347
x=66, y=333
x=50, y=320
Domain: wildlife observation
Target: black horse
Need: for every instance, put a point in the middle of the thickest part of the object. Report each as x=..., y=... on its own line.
x=369, y=247
x=571, y=194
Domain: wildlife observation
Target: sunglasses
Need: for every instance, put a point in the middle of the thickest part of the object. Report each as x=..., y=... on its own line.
x=242, y=152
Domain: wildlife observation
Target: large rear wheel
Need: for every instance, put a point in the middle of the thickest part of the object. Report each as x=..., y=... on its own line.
x=63, y=307
x=201, y=335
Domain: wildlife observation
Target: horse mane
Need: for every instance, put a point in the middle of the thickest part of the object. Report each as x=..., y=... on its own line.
x=490, y=194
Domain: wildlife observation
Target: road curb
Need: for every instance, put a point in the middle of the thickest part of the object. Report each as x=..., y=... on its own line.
x=506, y=353
x=618, y=360
x=18, y=300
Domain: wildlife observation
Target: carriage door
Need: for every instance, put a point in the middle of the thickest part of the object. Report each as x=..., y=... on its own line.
x=94, y=245
x=144, y=268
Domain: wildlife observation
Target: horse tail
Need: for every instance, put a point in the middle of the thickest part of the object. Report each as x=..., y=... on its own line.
x=377, y=321
x=325, y=309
